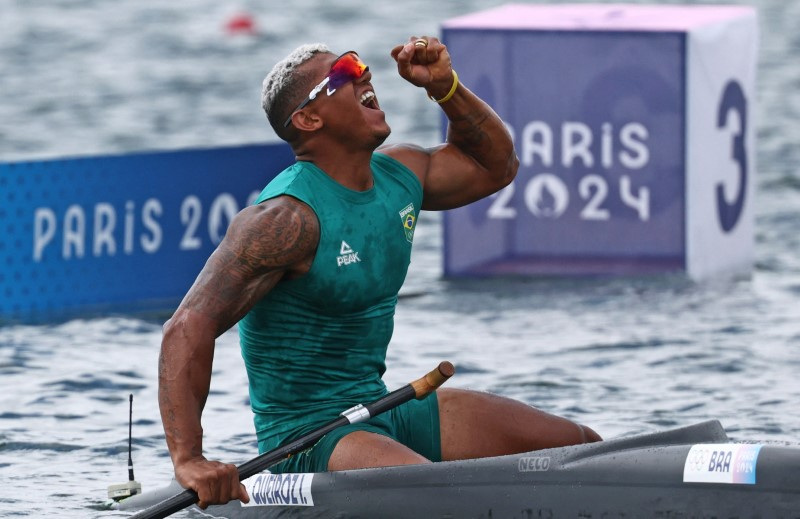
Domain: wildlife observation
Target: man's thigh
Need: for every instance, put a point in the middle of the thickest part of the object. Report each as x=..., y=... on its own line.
x=315, y=458
x=363, y=449
x=475, y=425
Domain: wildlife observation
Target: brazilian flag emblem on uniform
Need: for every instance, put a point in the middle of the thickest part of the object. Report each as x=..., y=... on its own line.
x=409, y=219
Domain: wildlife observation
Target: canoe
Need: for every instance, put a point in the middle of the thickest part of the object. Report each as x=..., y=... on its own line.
x=694, y=471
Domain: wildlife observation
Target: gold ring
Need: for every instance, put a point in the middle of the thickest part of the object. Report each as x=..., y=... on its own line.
x=422, y=42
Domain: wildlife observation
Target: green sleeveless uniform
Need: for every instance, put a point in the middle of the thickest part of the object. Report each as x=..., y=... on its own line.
x=316, y=345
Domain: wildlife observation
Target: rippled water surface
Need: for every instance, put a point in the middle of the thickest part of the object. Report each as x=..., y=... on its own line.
x=623, y=355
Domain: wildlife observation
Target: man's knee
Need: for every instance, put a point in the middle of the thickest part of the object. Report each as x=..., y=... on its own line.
x=589, y=435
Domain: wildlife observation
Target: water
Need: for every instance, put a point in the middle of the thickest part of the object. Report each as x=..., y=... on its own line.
x=622, y=355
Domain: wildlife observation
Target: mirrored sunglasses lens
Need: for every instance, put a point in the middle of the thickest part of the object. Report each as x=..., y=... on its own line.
x=347, y=68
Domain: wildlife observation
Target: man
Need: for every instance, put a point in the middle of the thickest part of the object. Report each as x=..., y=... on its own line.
x=311, y=272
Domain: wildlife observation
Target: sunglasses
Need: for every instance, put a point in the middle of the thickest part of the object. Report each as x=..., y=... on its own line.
x=347, y=67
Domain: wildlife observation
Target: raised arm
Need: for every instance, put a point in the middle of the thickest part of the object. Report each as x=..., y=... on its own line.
x=263, y=244
x=478, y=157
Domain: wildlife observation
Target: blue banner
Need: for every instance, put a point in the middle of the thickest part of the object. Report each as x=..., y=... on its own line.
x=119, y=233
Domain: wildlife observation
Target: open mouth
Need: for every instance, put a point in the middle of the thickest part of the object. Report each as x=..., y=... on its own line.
x=369, y=100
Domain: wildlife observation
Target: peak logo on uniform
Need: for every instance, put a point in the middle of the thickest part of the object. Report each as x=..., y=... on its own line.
x=346, y=255
x=409, y=220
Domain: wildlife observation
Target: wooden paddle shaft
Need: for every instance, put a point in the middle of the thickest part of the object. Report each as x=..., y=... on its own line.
x=430, y=382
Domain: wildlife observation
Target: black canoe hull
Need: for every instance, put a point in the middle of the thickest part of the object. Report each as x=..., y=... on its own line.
x=640, y=476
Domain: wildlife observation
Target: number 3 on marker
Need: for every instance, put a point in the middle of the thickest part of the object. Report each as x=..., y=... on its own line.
x=733, y=99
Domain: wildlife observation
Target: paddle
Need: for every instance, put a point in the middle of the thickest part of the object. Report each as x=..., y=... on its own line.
x=418, y=389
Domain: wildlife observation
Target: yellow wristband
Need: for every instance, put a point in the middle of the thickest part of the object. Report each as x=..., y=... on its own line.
x=450, y=93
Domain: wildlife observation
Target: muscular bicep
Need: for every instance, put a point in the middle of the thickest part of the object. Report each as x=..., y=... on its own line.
x=263, y=244
x=455, y=179
x=450, y=178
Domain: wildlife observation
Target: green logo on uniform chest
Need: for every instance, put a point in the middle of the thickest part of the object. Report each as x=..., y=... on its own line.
x=409, y=221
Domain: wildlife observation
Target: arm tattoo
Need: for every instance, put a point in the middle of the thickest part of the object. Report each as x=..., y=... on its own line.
x=261, y=246
x=467, y=133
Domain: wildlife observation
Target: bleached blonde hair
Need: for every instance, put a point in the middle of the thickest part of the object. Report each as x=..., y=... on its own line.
x=284, y=86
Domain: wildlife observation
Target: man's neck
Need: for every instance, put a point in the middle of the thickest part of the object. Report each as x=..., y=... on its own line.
x=348, y=168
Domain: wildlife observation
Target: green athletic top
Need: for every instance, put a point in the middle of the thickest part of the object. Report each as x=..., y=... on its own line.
x=316, y=345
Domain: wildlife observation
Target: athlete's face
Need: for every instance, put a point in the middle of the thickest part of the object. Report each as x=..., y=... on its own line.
x=352, y=109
